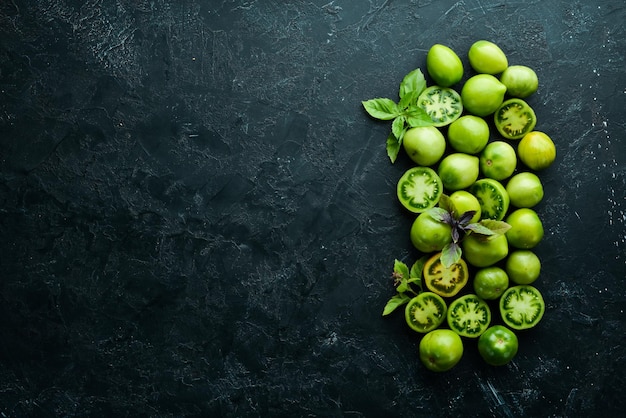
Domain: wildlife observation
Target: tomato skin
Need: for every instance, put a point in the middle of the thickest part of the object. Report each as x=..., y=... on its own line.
x=498, y=345
x=428, y=234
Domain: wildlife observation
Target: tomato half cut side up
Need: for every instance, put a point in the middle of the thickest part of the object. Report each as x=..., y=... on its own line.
x=522, y=307
x=442, y=280
x=469, y=316
x=442, y=104
x=493, y=198
x=425, y=312
x=419, y=189
x=514, y=119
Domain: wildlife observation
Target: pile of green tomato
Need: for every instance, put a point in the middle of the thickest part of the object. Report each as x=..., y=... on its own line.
x=473, y=187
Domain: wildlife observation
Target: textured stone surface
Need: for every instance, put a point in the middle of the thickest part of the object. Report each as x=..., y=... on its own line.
x=198, y=218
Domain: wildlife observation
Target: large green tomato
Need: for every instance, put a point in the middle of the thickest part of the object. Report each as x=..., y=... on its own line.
x=440, y=350
x=498, y=345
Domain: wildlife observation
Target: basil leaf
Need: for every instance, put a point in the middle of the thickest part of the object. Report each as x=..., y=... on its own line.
x=413, y=83
x=439, y=214
x=451, y=254
x=398, y=128
x=393, y=147
x=400, y=270
x=496, y=227
x=396, y=301
x=416, y=116
x=383, y=109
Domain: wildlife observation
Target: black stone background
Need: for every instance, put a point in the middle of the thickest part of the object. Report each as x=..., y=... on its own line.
x=198, y=218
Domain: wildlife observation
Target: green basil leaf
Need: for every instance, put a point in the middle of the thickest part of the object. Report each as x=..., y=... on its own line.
x=395, y=302
x=413, y=83
x=451, y=254
x=480, y=229
x=496, y=227
x=439, y=214
x=400, y=270
x=416, y=116
x=393, y=147
x=398, y=127
x=383, y=109
x=446, y=203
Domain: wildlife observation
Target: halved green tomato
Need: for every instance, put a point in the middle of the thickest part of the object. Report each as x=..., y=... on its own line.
x=514, y=119
x=419, y=189
x=442, y=280
x=469, y=316
x=442, y=104
x=492, y=197
x=522, y=307
x=425, y=312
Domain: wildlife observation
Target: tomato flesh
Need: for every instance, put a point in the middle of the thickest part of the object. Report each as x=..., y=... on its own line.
x=514, y=119
x=419, y=189
x=469, y=316
x=442, y=280
x=493, y=199
x=522, y=307
x=442, y=104
x=425, y=312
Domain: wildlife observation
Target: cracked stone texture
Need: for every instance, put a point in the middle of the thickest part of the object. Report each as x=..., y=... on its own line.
x=199, y=219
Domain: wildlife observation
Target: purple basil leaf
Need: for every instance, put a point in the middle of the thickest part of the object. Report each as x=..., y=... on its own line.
x=466, y=217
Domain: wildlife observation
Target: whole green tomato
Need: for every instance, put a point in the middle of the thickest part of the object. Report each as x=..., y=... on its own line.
x=498, y=345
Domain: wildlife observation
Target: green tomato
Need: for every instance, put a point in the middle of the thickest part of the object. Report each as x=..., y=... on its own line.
x=425, y=312
x=526, y=228
x=525, y=190
x=469, y=316
x=498, y=160
x=482, y=251
x=520, y=81
x=514, y=118
x=419, y=189
x=428, y=234
x=487, y=58
x=498, y=345
x=493, y=198
x=482, y=94
x=440, y=350
x=442, y=280
x=425, y=145
x=522, y=307
x=490, y=282
x=442, y=104
x=458, y=171
x=443, y=65
x=468, y=134
x=463, y=201
x=523, y=266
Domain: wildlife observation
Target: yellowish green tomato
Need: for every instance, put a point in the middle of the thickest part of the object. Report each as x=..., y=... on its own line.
x=458, y=171
x=482, y=251
x=520, y=81
x=468, y=134
x=428, y=234
x=443, y=65
x=525, y=190
x=526, y=228
x=425, y=145
x=482, y=94
x=487, y=58
x=463, y=201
